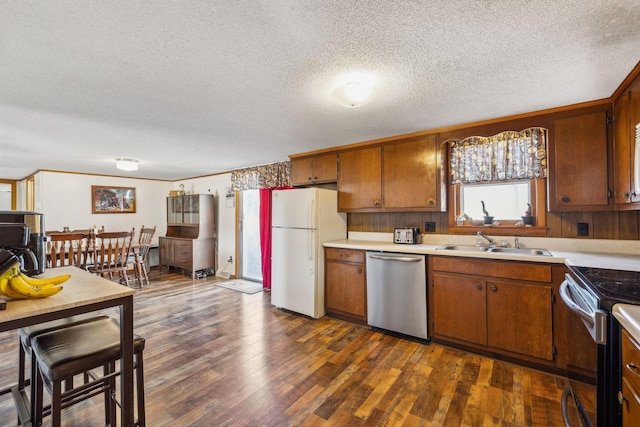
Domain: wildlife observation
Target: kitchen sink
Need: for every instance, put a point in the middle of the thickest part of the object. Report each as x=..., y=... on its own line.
x=471, y=248
x=523, y=251
x=463, y=248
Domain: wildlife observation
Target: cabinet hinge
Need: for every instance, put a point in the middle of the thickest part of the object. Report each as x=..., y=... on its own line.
x=609, y=194
x=553, y=298
x=554, y=350
x=609, y=120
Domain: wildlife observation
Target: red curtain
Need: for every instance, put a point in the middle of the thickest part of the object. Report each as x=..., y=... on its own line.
x=265, y=236
x=265, y=233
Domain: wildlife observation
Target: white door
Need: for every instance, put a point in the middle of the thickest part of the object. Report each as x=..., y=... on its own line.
x=293, y=208
x=293, y=283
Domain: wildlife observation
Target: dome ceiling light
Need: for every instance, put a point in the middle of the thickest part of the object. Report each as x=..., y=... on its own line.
x=126, y=164
x=354, y=91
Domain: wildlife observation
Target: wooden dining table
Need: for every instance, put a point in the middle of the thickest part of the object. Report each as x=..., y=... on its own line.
x=82, y=293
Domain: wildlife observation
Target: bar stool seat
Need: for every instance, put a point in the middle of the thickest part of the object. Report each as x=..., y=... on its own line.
x=26, y=334
x=78, y=349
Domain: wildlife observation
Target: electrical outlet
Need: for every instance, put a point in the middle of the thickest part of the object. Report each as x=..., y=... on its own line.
x=583, y=229
x=230, y=260
x=429, y=227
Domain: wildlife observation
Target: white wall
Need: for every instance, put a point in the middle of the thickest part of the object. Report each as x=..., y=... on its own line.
x=65, y=201
x=225, y=216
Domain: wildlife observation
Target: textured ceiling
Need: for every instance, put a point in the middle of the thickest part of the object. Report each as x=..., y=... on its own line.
x=196, y=87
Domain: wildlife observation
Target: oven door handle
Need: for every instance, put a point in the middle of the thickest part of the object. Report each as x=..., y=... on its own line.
x=565, y=294
x=595, y=321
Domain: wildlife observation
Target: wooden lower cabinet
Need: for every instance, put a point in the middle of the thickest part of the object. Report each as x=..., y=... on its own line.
x=187, y=254
x=630, y=397
x=459, y=308
x=503, y=307
x=519, y=318
x=345, y=284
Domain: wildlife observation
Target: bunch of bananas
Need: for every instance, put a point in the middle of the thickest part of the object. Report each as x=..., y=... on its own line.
x=14, y=284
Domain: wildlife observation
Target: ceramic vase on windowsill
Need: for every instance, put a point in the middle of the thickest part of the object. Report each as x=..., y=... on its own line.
x=488, y=220
x=527, y=220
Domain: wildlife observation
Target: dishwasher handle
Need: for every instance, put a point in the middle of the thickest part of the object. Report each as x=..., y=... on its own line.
x=396, y=258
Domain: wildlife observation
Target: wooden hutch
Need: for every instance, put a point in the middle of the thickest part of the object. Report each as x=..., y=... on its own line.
x=190, y=241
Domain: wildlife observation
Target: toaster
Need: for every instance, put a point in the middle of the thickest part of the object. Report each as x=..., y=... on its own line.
x=407, y=235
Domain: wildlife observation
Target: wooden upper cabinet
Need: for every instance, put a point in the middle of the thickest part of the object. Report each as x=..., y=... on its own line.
x=395, y=176
x=634, y=142
x=622, y=180
x=314, y=170
x=626, y=148
x=578, y=162
x=360, y=179
x=410, y=177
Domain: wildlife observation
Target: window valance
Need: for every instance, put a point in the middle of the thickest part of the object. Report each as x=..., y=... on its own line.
x=506, y=156
x=265, y=176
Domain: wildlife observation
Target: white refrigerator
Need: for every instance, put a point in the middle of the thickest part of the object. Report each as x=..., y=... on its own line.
x=302, y=219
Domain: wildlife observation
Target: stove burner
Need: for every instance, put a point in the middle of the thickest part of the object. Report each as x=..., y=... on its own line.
x=612, y=286
x=600, y=275
x=621, y=288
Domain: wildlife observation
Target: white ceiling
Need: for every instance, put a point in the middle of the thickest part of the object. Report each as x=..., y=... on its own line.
x=197, y=87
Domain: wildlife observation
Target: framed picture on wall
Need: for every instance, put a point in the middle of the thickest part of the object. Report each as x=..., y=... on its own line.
x=113, y=199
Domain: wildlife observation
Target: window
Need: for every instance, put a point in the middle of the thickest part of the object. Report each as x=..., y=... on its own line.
x=505, y=172
x=506, y=201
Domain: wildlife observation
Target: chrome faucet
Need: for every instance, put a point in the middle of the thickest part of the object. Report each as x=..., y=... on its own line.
x=492, y=243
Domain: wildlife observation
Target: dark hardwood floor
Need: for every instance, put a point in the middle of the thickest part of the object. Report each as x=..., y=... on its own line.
x=216, y=357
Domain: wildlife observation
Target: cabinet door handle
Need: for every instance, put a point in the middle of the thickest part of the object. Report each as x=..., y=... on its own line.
x=633, y=368
x=360, y=271
x=478, y=286
x=565, y=199
x=376, y=203
x=494, y=288
x=621, y=398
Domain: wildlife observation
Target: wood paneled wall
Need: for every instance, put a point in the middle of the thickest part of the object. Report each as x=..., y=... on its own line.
x=624, y=225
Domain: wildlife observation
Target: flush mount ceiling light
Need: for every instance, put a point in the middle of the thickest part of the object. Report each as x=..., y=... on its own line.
x=354, y=91
x=126, y=164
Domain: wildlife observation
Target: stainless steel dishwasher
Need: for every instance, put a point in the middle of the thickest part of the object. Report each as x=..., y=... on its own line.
x=397, y=293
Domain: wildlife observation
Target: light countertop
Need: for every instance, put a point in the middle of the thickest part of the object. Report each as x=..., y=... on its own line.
x=615, y=255
x=629, y=317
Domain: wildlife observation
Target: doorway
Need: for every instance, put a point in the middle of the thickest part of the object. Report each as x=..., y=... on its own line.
x=250, y=261
x=7, y=195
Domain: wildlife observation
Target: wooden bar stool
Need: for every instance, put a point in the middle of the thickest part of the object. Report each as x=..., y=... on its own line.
x=26, y=335
x=79, y=349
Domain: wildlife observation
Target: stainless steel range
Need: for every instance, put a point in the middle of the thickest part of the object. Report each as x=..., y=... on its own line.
x=591, y=293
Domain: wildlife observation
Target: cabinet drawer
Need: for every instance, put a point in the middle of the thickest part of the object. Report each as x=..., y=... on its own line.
x=346, y=255
x=631, y=404
x=631, y=360
x=502, y=269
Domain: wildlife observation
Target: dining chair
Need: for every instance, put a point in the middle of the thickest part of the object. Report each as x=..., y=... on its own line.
x=141, y=251
x=67, y=249
x=111, y=251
